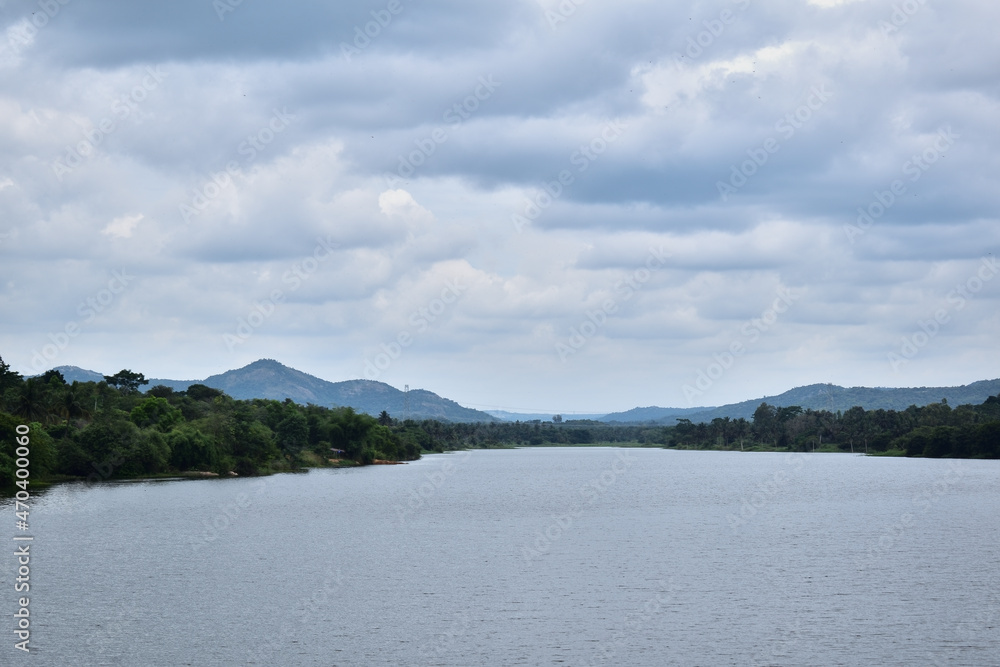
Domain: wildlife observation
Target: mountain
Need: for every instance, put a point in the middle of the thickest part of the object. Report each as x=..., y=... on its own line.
x=826, y=397
x=75, y=374
x=373, y=397
x=267, y=378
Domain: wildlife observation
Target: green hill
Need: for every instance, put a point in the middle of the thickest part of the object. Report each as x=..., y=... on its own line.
x=267, y=378
x=822, y=397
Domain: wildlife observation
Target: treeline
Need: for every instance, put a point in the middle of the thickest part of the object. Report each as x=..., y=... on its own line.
x=935, y=430
x=450, y=436
x=112, y=429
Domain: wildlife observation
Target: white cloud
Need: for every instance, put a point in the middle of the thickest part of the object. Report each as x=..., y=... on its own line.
x=401, y=204
x=122, y=228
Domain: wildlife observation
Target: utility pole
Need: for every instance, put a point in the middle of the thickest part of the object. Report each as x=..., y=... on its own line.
x=406, y=402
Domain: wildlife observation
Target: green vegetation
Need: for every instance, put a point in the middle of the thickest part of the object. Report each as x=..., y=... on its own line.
x=934, y=430
x=112, y=429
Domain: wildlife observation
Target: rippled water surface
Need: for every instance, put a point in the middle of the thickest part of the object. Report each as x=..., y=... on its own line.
x=526, y=557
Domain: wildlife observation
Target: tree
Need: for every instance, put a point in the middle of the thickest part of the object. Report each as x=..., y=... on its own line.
x=104, y=396
x=293, y=432
x=765, y=419
x=384, y=419
x=53, y=377
x=935, y=414
x=348, y=430
x=42, y=459
x=786, y=413
x=8, y=433
x=8, y=378
x=684, y=432
x=32, y=403
x=987, y=441
x=190, y=449
x=743, y=429
x=557, y=419
x=156, y=412
x=720, y=430
x=255, y=447
x=200, y=392
x=379, y=443
x=114, y=446
x=70, y=403
x=939, y=442
x=126, y=381
x=161, y=391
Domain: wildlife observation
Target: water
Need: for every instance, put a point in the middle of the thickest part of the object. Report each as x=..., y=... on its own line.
x=499, y=558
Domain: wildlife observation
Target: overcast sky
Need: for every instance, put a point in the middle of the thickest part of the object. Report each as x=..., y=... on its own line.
x=531, y=205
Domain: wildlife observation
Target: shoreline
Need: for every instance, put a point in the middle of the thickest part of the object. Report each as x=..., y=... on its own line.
x=344, y=463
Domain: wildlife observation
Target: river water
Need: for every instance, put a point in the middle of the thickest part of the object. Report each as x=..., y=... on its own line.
x=543, y=556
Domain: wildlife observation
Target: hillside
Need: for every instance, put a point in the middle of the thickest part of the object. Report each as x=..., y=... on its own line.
x=373, y=397
x=825, y=397
x=267, y=378
x=76, y=374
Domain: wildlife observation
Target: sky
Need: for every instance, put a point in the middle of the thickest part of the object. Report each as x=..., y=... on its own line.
x=530, y=205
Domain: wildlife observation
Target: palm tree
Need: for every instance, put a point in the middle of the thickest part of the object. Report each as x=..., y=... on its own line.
x=32, y=401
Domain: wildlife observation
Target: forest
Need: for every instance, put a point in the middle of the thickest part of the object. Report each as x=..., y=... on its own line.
x=934, y=430
x=120, y=429
x=113, y=429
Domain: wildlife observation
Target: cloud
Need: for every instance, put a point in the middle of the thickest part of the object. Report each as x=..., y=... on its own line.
x=804, y=113
x=400, y=204
x=121, y=228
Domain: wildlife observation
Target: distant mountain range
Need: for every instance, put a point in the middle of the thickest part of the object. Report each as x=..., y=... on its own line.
x=267, y=378
x=821, y=397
